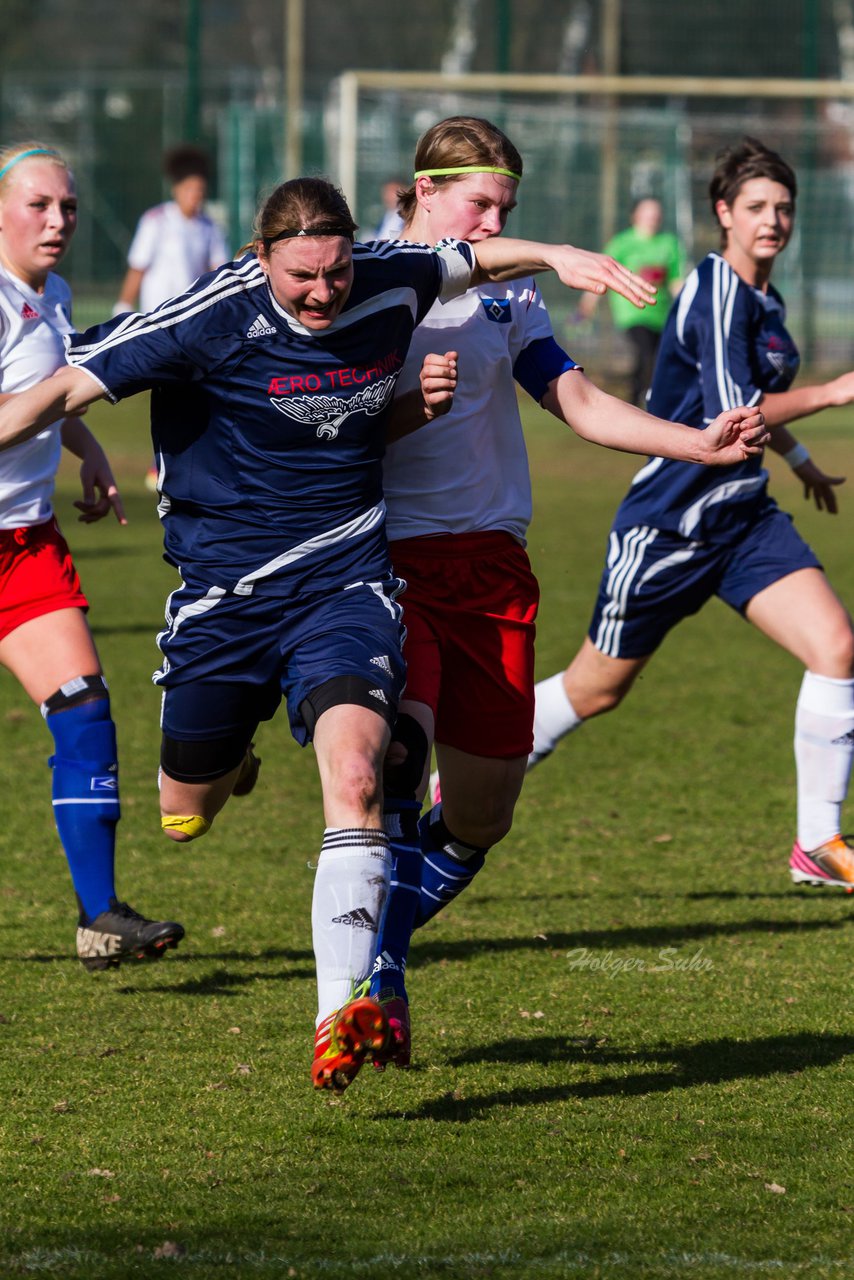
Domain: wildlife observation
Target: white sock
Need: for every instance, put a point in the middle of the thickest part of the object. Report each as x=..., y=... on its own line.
x=350, y=893
x=824, y=750
x=554, y=717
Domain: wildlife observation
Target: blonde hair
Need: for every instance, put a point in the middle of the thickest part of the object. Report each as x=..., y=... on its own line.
x=16, y=153
x=455, y=143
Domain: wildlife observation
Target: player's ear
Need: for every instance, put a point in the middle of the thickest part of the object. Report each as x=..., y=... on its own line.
x=425, y=189
x=724, y=213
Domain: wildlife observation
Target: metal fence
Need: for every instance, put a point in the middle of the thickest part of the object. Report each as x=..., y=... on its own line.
x=586, y=156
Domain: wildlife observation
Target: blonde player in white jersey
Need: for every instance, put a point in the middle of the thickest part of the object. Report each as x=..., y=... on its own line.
x=45, y=641
x=459, y=501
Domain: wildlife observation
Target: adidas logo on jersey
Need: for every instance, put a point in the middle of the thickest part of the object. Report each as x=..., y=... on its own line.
x=379, y=695
x=259, y=328
x=28, y=312
x=358, y=919
x=383, y=663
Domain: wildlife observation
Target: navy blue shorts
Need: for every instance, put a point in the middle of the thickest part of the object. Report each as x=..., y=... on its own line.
x=228, y=660
x=653, y=579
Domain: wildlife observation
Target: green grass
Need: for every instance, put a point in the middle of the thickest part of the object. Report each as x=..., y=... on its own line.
x=628, y=1033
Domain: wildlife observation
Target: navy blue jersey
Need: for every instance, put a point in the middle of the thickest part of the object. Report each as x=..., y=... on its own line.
x=269, y=436
x=725, y=344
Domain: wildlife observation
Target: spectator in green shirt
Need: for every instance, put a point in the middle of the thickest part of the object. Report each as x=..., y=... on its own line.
x=658, y=257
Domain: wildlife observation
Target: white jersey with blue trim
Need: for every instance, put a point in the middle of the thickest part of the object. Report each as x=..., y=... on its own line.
x=725, y=344
x=32, y=330
x=269, y=437
x=468, y=470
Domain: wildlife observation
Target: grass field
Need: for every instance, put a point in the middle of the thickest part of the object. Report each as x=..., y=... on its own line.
x=630, y=1035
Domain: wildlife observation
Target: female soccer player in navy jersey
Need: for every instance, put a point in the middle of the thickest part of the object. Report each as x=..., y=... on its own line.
x=271, y=381
x=45, y=641
x=683, y=535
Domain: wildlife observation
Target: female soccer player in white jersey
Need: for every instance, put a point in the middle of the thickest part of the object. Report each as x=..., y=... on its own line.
x=44, y=638
x=682, y=536
x=272, y=379
x=459, y=503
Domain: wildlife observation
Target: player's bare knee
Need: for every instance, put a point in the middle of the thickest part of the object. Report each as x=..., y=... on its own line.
x=358, y=786
x=184, y=827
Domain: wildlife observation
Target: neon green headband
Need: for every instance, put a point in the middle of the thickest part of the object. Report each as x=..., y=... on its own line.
x=467, y=168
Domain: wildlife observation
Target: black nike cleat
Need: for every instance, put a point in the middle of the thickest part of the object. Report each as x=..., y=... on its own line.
x=123, y=934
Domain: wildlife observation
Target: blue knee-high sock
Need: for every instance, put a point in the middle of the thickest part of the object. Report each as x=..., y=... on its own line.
x=401, y=823
x=449, y=865
x=86, y=799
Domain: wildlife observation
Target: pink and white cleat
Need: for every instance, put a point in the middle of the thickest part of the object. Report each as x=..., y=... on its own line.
x=832, y=863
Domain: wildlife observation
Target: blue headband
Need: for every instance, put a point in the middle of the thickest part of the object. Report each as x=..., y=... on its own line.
x=22, y=155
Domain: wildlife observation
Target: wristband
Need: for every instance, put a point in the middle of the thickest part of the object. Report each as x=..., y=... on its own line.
x=797, y=456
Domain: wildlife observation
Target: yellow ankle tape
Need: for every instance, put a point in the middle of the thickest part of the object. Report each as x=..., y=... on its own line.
x=190, y=827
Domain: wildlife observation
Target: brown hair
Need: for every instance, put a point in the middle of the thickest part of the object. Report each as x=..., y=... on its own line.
x=302, y=205
x=457, y=142
x=186, y=161
x=736, y=165
x=11, y=156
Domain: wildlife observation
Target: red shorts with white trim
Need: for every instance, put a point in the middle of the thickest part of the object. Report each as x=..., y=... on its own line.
x=469, y=610
x=37, y=575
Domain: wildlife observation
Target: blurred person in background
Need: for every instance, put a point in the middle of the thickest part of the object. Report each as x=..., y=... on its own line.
x=174, y=243
x=391, y=223
x=45, y=641
x=658, y=257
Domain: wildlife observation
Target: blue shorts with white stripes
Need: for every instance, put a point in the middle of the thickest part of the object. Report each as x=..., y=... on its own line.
x=228, y=660
x=654, y=578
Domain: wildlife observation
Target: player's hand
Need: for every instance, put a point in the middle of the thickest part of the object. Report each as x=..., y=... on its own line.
x=734, y=435
x=819, y=486
x=438, y=383
x=100, y=492
x=842, y=389
x=596, y=273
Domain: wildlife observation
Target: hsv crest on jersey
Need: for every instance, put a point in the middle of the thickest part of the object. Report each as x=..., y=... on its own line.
x=28, y=312
x=497, y=309
x=329, y=412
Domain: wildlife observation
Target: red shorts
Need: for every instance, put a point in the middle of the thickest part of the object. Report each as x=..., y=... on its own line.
x=37, y=575
x=469, y=610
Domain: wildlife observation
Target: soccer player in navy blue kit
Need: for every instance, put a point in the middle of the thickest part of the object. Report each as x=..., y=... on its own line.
x=271, y=380
x=684, y=534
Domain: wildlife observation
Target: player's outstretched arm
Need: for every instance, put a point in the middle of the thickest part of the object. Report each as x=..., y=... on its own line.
x=433, y=399
x=603, y=419
x=100, y=491
x=781, y=407
x=499, y=258
x=68, y=392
